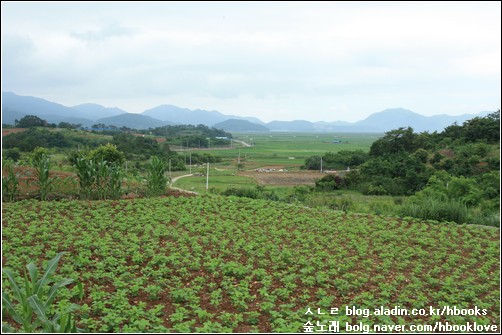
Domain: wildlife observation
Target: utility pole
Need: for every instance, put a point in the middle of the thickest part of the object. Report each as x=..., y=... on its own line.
x=321, y=164
x=190, y=162
x=207, y=177
x=170, y=169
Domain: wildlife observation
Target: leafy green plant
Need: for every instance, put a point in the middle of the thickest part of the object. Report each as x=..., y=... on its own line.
x=86, y=176
x=34, y=298
x=99, y=179
x=156, y=179
x=10, y=182
x=44, y=182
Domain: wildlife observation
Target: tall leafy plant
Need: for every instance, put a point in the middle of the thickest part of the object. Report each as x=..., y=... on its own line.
x=10, y=182
x=42, y=165
x=30, y=304
x=99, y=179
x=86, y=176
x=156, y=178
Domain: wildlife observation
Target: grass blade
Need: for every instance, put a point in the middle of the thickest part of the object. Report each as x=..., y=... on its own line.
x=49, y=270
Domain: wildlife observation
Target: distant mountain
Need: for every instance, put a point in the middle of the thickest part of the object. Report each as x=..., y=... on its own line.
x=378, y=122
x=399, y=117
x=95, y=111
x=197, y=116
x=16, y=106
x=134, y=121
x=34, y=106
x=9, y=116
x=184, y=115
x=239, y=125
x=297, y=125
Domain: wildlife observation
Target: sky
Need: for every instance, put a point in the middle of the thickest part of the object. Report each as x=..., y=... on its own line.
x=313, y=61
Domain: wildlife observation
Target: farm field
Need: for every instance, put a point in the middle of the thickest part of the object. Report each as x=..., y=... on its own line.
x=278, y=151
x=289, y=150
x=227, y=264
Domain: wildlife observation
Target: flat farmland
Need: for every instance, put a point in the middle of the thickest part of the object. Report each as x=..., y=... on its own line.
x=276, y=178
x=289, y=150
x=227, y=264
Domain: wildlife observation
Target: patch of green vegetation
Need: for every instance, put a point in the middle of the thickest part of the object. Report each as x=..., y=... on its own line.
x=212, y=263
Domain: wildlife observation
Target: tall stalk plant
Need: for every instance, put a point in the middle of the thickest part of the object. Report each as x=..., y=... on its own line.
x=44, y=182
x=156, y=178
x=99, y=180
x=29, y=303
x=10, y=182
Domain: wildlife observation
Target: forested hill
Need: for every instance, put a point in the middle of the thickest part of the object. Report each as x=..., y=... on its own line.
x=453, y=175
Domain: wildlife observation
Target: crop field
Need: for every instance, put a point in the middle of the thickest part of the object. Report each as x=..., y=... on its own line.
x=217, y=181
x=290, y=149
x=227, y=264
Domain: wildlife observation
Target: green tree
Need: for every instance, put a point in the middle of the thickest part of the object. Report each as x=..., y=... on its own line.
x=483, y=128
x=108, y=153
x=30, y=121
x=395, y=141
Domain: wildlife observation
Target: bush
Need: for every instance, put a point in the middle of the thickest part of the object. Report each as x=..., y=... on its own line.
x=108, y=153
x=342, y=204
x=14, y=154
x=259, y=192
x=329, y=182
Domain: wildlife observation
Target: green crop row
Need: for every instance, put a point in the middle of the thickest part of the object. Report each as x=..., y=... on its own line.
x=227, y=264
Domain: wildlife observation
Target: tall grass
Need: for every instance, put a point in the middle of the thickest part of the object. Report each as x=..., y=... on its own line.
x=430, y=208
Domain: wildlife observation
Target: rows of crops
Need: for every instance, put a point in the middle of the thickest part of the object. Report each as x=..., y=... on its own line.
x=208, y=263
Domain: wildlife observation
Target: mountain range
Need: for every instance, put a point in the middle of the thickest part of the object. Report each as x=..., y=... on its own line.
x=16, y=106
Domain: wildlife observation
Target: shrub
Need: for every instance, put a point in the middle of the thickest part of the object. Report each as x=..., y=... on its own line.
x=14, y=154
x=329, y=182
x=108, y=153
x=342, y=204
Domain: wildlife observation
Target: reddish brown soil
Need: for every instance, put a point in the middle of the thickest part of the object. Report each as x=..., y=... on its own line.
x=9, y=131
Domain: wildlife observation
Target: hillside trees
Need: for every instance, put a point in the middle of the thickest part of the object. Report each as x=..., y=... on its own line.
x=336, y=161
x=143, y=148
x=30, y=121
x=35, y=137
x=401, y=162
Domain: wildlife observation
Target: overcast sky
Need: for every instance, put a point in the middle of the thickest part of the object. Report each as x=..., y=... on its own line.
x=277, y=61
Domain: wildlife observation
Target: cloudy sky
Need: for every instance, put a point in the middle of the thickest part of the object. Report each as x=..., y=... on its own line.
x=314, y=61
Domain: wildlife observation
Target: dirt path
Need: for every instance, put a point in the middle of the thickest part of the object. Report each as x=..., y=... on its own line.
x=173, y=180
x=243, y=143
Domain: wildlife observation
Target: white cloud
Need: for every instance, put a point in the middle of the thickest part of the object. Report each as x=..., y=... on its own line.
x=272, y=60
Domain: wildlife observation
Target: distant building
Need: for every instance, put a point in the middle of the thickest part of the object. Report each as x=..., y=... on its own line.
x=337, y=141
